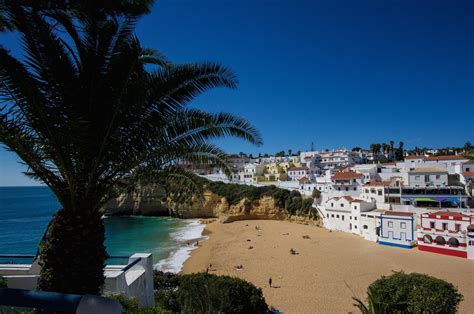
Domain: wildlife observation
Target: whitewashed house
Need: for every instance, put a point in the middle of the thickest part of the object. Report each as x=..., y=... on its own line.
x=350, y=183
x=296, y=173
x=397, y=229
x=251, y=172
x=447, y=233
x=343, y=213
x=428, y=177
x=370, y=224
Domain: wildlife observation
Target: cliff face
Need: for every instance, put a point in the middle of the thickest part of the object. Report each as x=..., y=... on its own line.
x=145, y=201
x=153, y=202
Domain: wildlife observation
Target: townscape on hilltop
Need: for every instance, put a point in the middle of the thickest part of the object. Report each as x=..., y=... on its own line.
x=422, y=200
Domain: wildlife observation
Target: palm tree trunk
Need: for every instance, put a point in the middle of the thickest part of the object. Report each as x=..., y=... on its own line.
x=73, y=254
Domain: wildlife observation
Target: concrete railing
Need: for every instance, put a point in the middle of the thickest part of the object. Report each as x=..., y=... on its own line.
x=134, y=280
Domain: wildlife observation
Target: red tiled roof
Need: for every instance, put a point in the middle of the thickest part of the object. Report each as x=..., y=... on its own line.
x=308, y=157
x=469, y=162
x=468, y=174
x=303, y=179
x=297, y=168
x=394, y=213
x=348, y=198
x=441, y=213
x=446, y=157
x=346, y=175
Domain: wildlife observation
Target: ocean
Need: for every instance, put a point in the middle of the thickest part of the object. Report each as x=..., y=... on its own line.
x=26, y=211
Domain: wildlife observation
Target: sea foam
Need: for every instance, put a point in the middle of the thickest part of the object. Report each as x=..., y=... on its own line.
x=185, y=238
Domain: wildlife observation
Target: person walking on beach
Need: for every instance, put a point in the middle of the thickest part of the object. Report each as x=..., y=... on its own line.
x=270, y=282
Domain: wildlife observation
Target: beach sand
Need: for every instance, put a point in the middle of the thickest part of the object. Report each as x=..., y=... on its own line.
x=329, y=270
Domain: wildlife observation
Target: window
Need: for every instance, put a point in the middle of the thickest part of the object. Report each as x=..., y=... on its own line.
x=365, y=227
x=427, y=239
x=432, y=224
x=445, y=226
x=355, y=218
x=355, y=227
x=438, y=176
x=379, y=192
x=342, y=217
x=457, y=227
x=355, y=207
x=347, y=189
x=417, y=177
x=342, y=205
x=337, y=216
x=403, y=225
x=332, y=215
x=355, y=188
x=332, y=204
x=390, y=224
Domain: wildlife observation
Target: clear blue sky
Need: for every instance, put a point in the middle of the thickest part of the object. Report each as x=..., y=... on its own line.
x=336, y=73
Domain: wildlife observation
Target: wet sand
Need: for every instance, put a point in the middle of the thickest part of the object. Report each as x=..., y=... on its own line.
x=329, y=270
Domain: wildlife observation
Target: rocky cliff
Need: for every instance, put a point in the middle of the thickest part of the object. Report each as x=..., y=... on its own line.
x=154, y=202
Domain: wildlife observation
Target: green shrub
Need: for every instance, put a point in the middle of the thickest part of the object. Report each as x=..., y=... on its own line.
x=130, y=306
x=316, y=193
x=206, y=293
x=410, y=293
x=3, y=282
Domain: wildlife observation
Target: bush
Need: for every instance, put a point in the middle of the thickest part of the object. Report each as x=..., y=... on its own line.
x=3, y=283
x=204, y=293
x=316, y=193
x=411, y=293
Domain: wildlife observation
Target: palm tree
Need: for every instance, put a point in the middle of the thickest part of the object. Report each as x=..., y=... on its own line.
x=92, y=114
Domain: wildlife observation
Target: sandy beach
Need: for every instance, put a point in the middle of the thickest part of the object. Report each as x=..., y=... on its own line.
x=329, y=270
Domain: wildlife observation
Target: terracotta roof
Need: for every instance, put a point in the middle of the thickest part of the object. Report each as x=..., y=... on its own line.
x=446, y=157
x=346, y=175
x=378, y=183
x=414, y=157
x=428, y=170
x=308, y=157
x=297, y=168
x=469, y=162
x=454, y=214
x=348, y=198
x=303, y=179
x=394, y=213
x=468, y=174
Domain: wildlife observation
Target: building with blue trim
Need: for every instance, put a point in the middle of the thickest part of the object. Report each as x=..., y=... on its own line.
x=397, y=229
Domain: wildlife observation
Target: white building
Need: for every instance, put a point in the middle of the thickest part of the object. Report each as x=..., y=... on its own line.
x=428, y=177
x=348, y=182
x=446, y=233
x=296, y=173
x=251, y=171
x=370, y=224
x=343, y=213
x=397, y=229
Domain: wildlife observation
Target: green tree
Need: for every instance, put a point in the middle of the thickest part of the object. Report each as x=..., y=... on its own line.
x=410, y=293
x=280, y=154
x=290, y=151
x=391, y=146
x=91, y=121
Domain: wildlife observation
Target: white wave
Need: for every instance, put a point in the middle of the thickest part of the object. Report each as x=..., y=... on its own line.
x=185, y=238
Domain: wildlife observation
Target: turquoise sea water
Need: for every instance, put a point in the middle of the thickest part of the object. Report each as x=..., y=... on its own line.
x=26, y=211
